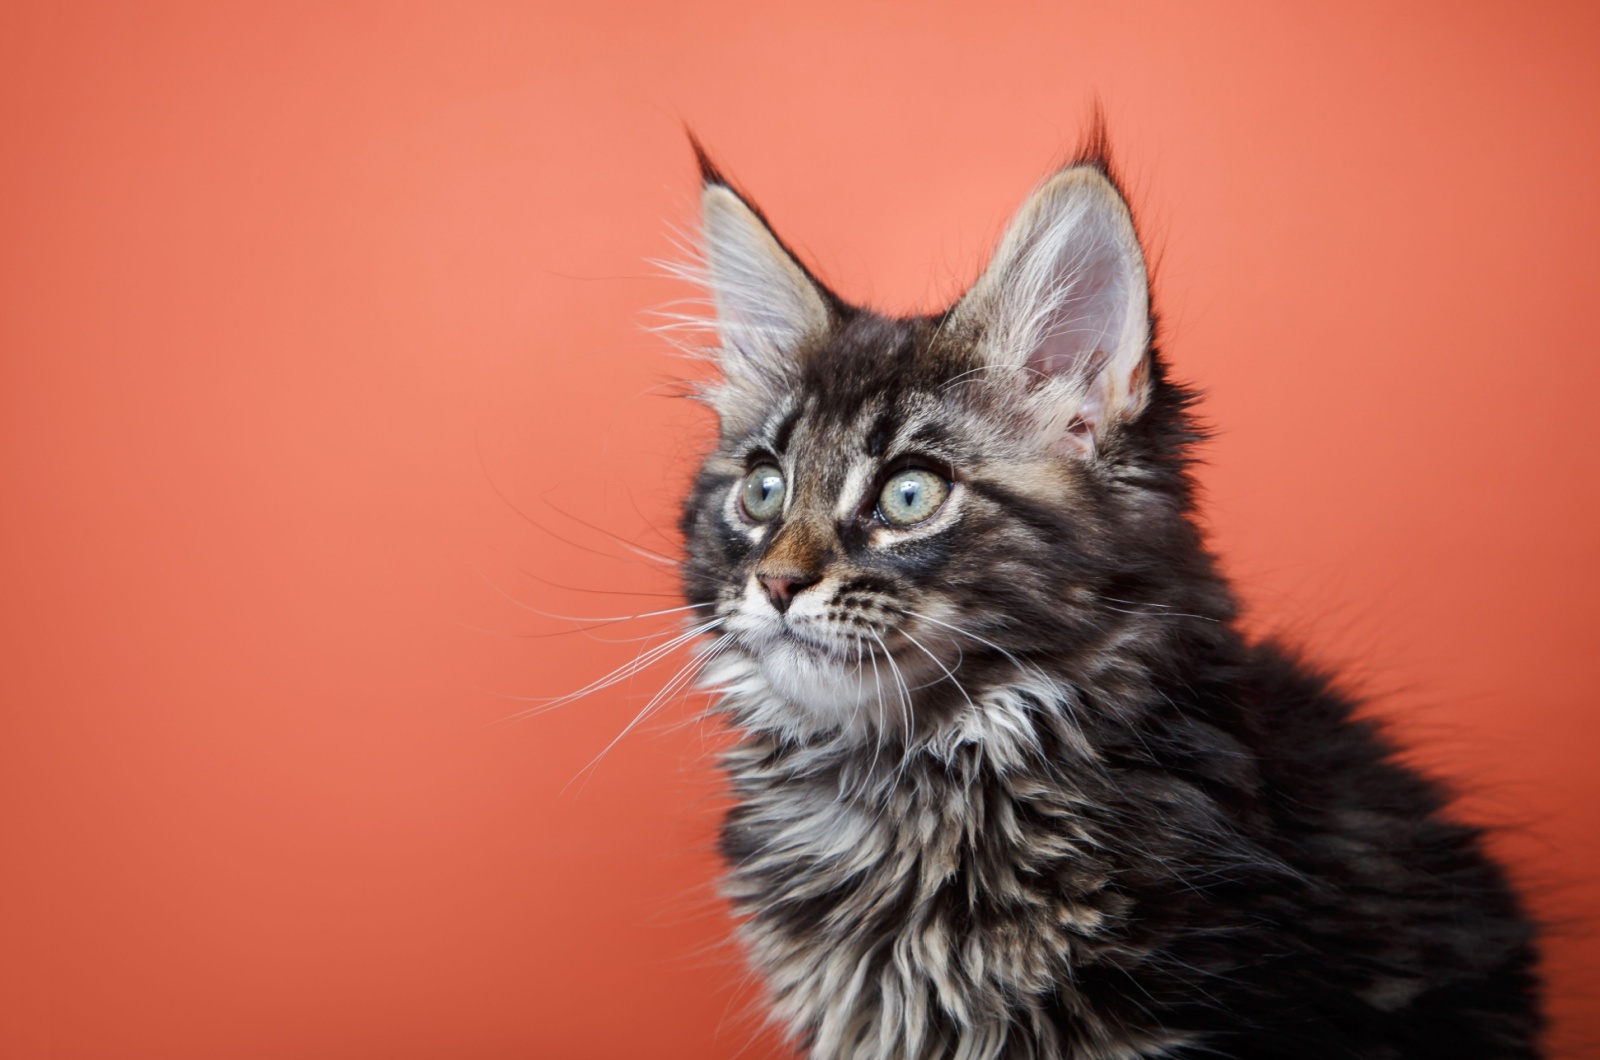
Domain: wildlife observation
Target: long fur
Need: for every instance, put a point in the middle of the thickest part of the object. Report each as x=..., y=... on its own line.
x=1013, y=784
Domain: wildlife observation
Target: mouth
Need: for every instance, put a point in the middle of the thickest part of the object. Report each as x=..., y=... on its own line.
x=845, y=647
x=841, y=642
x=811, y=643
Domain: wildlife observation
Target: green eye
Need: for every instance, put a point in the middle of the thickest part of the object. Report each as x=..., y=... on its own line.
x=910, y=496
x=763, y=493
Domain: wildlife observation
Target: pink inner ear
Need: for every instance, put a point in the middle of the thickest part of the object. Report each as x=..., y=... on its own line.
x=1080, y=332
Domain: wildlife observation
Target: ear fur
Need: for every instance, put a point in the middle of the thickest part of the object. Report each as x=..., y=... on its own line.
x=767, y=306
x=1065, y=303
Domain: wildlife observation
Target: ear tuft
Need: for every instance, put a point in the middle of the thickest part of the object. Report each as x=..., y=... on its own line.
x=1094, y=150
x=709, y=173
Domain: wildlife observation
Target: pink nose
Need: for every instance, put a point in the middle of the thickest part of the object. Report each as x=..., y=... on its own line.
x=781, y=588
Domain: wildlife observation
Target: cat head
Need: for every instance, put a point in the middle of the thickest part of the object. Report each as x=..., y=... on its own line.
x=902, y=513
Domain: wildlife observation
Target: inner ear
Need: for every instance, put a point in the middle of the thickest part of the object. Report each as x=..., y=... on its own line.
x=768, y=307
x=767, y=304
x=1065, y=303
x=1083, y=327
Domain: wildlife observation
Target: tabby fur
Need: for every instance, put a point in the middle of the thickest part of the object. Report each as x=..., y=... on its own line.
x=1013, y=784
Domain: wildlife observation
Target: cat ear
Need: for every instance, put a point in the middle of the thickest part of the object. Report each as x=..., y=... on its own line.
x=767, y=305
x=1065, y=301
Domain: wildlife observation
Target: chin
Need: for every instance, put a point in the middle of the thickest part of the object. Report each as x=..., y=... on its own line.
x=791, y=685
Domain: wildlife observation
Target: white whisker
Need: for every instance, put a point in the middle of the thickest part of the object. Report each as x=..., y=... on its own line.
x=948, y=672
x=1165, y=612
x=643, y=661
x=676, y=683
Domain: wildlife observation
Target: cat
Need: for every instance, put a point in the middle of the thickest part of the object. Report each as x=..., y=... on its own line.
x=1009, y=781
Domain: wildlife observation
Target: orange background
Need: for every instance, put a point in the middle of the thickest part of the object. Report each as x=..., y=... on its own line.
x=291, y=294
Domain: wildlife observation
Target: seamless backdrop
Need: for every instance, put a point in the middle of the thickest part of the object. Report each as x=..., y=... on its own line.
x=324, y=387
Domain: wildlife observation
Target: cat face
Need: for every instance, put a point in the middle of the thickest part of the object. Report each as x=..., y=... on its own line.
x=900, y=512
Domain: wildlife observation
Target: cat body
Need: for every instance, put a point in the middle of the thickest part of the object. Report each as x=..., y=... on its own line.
x=1009, y=781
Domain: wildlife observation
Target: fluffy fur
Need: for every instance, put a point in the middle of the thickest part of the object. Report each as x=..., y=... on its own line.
x=1010, y=782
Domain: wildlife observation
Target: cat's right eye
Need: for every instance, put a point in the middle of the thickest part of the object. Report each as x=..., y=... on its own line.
x=762, y=495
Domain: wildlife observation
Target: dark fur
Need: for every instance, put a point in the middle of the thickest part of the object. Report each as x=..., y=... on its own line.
x=1205, y=852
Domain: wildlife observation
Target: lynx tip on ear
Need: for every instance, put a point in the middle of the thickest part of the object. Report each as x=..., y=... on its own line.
x=709, y=173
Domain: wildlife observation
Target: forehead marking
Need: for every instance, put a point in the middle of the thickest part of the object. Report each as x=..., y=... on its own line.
x=881, y=432
x=780, y=437
x=852, y=494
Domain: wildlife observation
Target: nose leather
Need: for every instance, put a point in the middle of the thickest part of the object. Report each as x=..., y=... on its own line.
x=781, y=588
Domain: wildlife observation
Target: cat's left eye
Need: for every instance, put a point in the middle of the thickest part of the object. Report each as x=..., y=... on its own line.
x=912, y=496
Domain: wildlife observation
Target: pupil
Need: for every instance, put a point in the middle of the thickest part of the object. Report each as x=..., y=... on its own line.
x=908, y=493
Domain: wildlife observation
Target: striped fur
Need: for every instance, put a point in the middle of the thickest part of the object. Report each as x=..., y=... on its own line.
x=1011, y=783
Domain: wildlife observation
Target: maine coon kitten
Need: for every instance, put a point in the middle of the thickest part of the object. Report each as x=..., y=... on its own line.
x=1010, y=782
